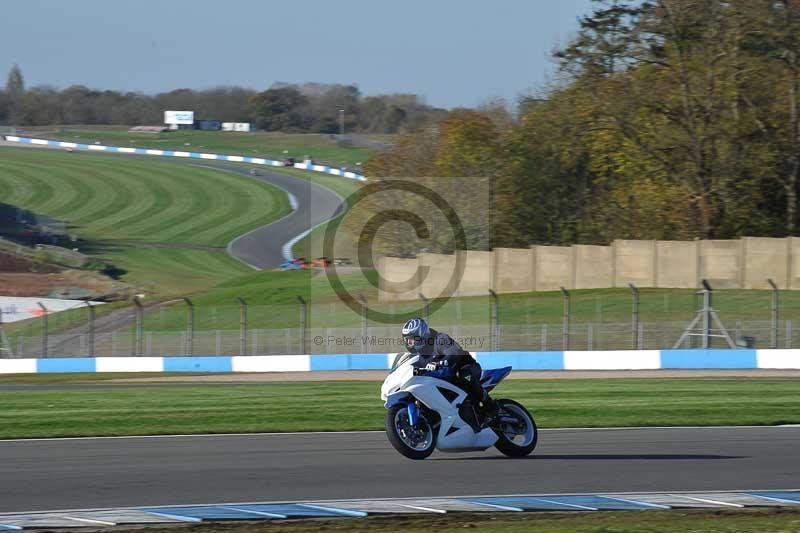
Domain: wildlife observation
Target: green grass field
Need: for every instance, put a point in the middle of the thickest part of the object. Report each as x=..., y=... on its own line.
x=166, y=224
x=321, y=148
x=341, y=406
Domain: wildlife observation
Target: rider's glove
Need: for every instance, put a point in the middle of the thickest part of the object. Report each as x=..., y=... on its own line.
x=436, y=365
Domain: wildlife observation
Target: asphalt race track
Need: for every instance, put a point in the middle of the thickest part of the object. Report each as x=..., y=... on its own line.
x=98, y=473
x=262, y=247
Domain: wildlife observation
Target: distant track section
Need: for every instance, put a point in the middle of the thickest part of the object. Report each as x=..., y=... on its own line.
x=270, y=245
x=176, y=153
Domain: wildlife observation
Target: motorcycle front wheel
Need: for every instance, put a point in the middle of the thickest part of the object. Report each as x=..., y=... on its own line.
x=415, y=442
x=517, y=434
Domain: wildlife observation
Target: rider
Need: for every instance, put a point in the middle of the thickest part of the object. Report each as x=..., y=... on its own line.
x=442, y=355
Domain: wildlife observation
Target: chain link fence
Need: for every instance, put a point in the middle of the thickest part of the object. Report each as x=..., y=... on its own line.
x=581, y=320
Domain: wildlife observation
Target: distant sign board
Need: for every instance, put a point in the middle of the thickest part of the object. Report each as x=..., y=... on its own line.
x=237, y=126
x=178, y=117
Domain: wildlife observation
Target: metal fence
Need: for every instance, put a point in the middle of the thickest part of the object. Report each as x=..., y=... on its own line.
x=383, y=339
x=558, y=321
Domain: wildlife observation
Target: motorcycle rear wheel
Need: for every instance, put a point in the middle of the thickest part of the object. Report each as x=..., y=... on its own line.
x=415, y=442
x=507, y=434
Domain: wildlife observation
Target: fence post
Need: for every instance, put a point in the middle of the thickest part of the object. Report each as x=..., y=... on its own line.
x=788, y=340
x=189, y=326
x=494, y=320
x=565, y=321
x=303, y=325
x=242, y=326
x=544, y=337
x=635, y=317
x=4, y=347
x=774, y=336
x=90, y=308
x=426, y=306
x=45, y=332
x=137, y=344
x=364, y=323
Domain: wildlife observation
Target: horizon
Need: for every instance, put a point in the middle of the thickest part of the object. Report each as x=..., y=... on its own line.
x=461, y=55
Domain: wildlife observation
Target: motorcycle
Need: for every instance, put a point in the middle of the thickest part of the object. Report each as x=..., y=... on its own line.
x=427, y=413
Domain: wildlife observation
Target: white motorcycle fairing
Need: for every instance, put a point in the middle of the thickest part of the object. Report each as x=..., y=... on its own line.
x=454, y=434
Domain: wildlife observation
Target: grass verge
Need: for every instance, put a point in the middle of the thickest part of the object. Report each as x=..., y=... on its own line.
x=343, y=406
x=722, y=521
x=165, y=224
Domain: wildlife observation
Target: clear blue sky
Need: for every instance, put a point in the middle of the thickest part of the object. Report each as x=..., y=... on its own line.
x=452, y=52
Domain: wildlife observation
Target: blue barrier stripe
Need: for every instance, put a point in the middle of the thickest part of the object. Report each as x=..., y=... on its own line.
x=712, y=359
x=349, y=362
x=522, y=360
x=198, y=364
x=708, y=359
x=66, y=364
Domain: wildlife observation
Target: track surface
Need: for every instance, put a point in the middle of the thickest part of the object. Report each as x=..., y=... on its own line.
x=263, y=247
x=95, y=473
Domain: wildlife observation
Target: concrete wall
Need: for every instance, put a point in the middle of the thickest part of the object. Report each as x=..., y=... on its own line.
x=677, y=264
x=478, y=276
x=765, y=259
x=721, y=263
x=399, y=278
x=553, y=267
x=634, y=262
x=593, y=266
x=513, y=270
x=745, y=263
x=438, y=275
x=794, y=263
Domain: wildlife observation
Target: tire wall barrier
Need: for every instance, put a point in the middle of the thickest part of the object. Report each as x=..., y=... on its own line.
x=570, y=360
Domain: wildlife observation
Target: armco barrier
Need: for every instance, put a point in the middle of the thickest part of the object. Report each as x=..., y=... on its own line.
x=175, y=153
x=619, y=360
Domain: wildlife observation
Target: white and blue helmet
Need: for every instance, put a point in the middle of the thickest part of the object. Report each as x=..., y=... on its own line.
x=415, y=333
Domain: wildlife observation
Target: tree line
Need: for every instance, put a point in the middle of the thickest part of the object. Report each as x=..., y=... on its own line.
x=310, y=107
x=669, y=119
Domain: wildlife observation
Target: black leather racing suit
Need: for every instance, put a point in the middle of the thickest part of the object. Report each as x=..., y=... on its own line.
x=454, y=363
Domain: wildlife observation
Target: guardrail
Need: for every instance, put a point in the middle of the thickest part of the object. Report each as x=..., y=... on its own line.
x=177, y=153
x=568, y=360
